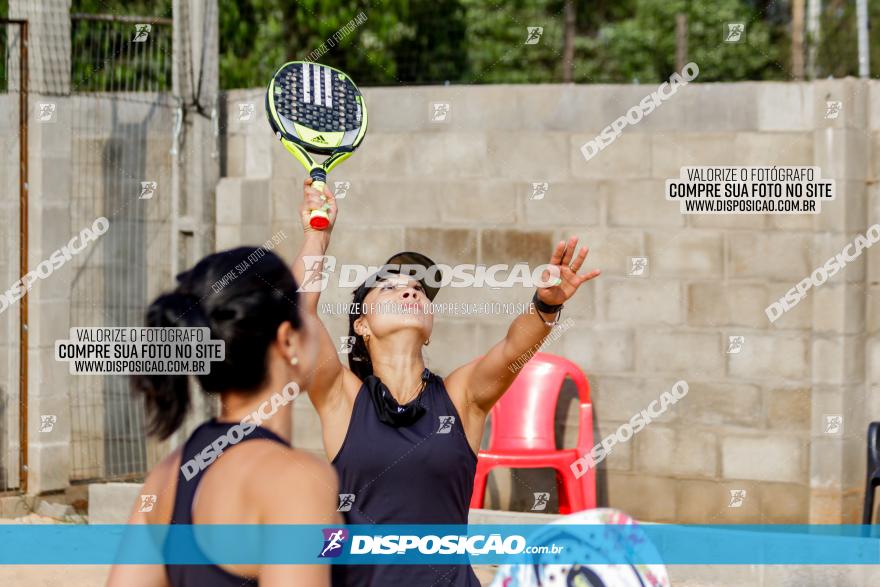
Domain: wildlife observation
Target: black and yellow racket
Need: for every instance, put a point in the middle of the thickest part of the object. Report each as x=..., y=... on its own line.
x=313, y=108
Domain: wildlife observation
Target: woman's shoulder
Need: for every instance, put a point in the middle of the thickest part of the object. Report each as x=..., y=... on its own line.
x=306, y=482
x=168, y=467
x=277, y=462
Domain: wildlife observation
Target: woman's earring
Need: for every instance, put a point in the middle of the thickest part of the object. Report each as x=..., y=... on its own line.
x=294, y=360
x=427, y=342
x=366, y=338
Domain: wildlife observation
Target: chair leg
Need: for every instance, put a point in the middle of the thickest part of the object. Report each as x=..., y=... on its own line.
x=873, y=471
x=588, y=488
x=569, y=490
x=870, y=487
x=479, y=493
x=563, y=493
x=577, y=499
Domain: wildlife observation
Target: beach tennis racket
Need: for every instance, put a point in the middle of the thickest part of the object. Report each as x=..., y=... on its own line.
x=315, y=109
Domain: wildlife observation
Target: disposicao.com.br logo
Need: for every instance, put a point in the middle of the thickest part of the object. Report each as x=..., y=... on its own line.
x=334, y=541
x=449, y=544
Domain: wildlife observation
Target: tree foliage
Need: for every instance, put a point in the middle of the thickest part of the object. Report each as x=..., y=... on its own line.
x=484, y=41
x=400, y=42
x=643, y=47
x=838, y=46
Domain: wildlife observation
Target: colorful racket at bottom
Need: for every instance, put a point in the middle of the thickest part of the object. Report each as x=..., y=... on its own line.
x=315, y=109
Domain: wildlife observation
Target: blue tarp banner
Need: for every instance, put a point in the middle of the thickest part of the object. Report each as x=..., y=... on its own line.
x=440, y=544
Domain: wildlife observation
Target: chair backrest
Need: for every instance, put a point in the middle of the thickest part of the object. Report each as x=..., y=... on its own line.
x=524, y=417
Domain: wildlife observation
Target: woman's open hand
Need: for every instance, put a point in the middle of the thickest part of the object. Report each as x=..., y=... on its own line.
x=568, y=265
x=312, y=201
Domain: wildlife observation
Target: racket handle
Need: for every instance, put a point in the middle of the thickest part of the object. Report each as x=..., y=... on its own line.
x=319, y=219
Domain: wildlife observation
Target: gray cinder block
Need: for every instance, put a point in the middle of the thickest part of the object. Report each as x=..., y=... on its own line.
x=111, y=503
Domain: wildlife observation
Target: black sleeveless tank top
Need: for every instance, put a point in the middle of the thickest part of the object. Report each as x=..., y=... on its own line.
x=417, y=474
x=203, y=575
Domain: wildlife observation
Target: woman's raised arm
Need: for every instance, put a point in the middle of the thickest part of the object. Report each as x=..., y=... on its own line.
x=485, y=379
x=308, y=266
x=326, y=392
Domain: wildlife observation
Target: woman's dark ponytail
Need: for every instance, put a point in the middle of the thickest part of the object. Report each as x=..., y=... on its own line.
x=242, y=295
x=167, y=396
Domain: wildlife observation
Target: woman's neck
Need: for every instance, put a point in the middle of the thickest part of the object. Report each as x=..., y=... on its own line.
x=401, y=374
x=236, y=406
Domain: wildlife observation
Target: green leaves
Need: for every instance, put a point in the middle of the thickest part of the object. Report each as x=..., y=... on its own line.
x=485, y=41
x=642, y=47
x=256, y=36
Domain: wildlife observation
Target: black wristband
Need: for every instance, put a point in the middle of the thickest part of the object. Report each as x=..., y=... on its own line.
x=545, y=308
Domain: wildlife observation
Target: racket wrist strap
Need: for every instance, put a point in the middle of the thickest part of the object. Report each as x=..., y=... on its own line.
x=544, y=308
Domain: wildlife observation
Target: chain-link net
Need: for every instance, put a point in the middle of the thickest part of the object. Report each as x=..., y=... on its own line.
x=122, y=130
x=10, y=175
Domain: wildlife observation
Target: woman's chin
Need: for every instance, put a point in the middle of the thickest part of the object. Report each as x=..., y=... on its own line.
x=409, y=322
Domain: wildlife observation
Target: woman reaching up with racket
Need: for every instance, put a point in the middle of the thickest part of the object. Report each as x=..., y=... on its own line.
x=402, y=439
x=270, y=353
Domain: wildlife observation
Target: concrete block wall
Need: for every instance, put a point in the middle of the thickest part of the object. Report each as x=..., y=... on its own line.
x=459, y=192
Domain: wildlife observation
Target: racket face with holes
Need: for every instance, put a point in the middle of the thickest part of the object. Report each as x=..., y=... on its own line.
x=317, y=108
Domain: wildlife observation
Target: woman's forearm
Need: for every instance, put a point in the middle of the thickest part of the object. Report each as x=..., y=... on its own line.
x=308, y=267
x=526, y=333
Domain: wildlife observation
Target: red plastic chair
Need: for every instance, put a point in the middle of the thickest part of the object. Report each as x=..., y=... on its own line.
x=523, y=435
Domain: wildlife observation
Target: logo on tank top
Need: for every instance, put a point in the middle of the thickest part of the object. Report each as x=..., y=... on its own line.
x=346, y=500
x=446, y=423
x=334, y=539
